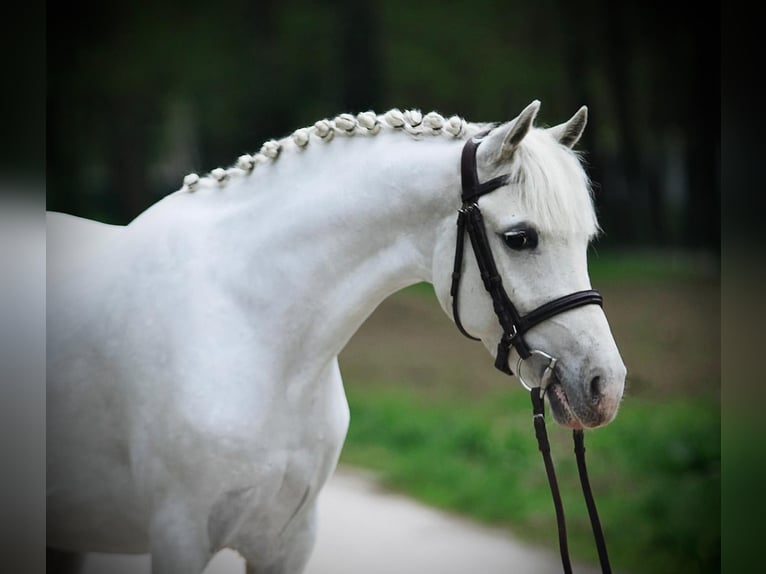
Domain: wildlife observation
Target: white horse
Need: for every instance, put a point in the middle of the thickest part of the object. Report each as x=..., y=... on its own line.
x=194, y=397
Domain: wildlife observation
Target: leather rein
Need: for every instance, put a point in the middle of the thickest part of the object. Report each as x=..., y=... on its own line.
x=514, y=327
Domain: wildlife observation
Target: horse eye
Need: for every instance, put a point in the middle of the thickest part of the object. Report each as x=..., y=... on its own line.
x=520, y=239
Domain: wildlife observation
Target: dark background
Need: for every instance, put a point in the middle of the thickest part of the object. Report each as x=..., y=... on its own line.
x=139, y=94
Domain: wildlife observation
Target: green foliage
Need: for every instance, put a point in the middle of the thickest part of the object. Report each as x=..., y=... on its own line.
x=655, y=471
x=649, y=265
x=250, y=71
x=621, y=266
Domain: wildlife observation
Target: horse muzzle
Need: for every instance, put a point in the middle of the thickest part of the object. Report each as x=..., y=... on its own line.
x=582, y=401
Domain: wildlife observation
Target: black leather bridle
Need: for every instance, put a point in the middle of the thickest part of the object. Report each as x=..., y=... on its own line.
x=470, y=219
x=515, y=326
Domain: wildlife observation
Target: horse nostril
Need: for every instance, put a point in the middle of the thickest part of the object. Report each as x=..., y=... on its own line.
x=595, y=388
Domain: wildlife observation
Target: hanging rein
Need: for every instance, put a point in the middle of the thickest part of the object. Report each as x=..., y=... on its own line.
x=514, y=327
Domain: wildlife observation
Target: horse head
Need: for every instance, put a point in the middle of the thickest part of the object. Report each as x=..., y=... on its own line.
x=536, y=221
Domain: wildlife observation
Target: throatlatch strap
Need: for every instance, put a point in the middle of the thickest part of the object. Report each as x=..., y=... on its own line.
x=457, y=269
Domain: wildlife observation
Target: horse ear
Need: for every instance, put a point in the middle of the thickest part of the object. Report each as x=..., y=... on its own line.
x=504, y=140
x=569, y=133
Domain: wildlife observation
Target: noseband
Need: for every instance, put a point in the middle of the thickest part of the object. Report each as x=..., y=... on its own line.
x=515, y=326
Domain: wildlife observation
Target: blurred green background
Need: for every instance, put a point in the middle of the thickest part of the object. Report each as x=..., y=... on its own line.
x=139, y=94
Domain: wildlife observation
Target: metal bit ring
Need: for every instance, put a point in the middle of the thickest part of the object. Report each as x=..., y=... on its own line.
x=547, y=373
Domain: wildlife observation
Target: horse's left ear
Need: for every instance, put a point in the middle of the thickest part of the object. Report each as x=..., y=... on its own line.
x=569, y=133
x=502, y=141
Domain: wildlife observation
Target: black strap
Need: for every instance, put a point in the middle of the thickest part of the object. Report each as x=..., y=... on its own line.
x=506, y=312
x=590, y=502
x=538, y=416
x=535, y=317
x=503, y=352
x=457, y=269
x=557, y=306
x=472, y=188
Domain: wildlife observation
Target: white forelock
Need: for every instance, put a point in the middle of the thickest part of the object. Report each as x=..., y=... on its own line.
x=552, y=185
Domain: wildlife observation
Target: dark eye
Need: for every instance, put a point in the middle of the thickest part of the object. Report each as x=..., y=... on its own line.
x=519, y=239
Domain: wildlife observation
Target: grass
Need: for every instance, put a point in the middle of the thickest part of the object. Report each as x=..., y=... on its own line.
x=434, y=420
x=655, y=471
x=649, y=265
x=643, y=266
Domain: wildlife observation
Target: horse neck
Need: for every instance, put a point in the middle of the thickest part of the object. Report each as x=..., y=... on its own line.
x=325, y=237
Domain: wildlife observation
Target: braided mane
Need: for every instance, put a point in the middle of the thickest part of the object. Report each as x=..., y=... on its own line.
x=556, y=188
x=345, y=125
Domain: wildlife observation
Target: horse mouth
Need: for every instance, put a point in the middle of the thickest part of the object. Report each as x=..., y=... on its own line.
x=560, y=407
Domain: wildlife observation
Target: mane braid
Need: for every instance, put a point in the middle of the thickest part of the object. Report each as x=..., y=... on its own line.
x=553, y=187
x=344, y=125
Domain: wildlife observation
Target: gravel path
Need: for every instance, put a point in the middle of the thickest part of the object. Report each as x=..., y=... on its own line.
x=366, y=530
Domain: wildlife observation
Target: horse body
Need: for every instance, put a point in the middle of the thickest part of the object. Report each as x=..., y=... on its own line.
x=188, y=384
x=194, y=395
